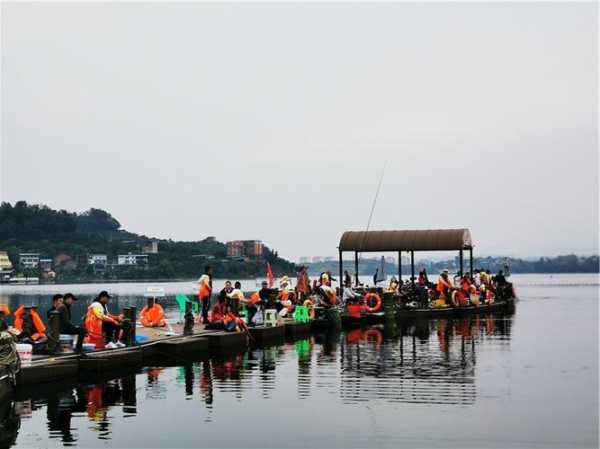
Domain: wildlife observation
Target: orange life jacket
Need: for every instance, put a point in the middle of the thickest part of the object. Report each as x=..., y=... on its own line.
x=283, y=295
x=93, y=326
x=153, y=316
x=40, y=329
x=4, y=309
x=204, y=289
x=254, y=298
x=442, y=285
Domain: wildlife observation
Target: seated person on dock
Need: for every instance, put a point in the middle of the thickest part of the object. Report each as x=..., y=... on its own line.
x=57, y=301
x=217, y=314
x=235, y=298
x=66, y=326
x=8, y=347
x=233, y=323
x=252, y=304
x=225, y=291
x=266, y=294
x=30, y=326
x=153, y=314
x=101, y=326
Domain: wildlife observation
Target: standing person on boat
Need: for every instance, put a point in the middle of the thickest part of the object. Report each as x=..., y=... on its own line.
x=444, y=284
x=477, y=278
x=101, y=325
x=204, y=292
x=66, y=326
x=57, y=301
x=499, y=279
x=302, y=284
x=347, y=279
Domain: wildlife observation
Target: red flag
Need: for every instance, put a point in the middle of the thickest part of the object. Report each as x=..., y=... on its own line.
x=270, y=275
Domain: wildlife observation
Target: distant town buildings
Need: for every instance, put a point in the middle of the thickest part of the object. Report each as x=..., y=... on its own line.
x=151, y=248
x=29, y=260
x=245, y=248
x=46, y=265
x=132, y=259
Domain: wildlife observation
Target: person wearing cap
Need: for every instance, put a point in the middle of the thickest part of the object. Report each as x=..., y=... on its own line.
x=57, y=301
x=66, y=326
x=101, y=325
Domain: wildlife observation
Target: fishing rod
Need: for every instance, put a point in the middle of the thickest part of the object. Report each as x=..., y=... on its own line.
x=371, y=213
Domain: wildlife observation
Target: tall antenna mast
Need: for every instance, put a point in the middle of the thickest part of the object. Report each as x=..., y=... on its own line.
x=372, y=210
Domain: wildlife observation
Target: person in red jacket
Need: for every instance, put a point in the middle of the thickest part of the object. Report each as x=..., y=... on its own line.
x=217, y=314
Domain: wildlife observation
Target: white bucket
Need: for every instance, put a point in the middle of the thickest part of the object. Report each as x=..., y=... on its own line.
x=66, y=343
x=25, y=352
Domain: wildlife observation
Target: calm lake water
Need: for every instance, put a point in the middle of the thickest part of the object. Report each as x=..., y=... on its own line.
x=527, y=380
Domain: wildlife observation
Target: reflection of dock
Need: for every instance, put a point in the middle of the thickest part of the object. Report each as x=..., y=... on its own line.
x=429, y=362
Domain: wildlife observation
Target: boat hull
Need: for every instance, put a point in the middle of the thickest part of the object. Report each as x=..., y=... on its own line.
x=507, y=305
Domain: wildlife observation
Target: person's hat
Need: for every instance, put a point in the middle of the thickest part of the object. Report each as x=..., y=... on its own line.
x=445, y=270
x=103, y=293
x=70, y=295
x=284, y=280
x=265, y=283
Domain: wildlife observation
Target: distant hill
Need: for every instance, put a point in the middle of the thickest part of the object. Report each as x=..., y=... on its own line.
x=67, y=237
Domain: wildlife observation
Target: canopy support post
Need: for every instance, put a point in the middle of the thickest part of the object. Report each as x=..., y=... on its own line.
x=412, y=267
x=341, y=278
x=471, y=260
x=356, y=266
x=400, y=266
x=460, y=256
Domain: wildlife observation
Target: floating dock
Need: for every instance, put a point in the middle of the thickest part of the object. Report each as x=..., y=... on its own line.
x=158, y=343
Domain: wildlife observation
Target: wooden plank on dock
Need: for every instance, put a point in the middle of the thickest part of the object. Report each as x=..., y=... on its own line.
x=264, y=334
x=110, y=358
x=220, y=342
x=193, y=345
x=49, y=368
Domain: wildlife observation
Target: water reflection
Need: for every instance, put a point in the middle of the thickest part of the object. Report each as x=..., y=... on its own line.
x=424, y=362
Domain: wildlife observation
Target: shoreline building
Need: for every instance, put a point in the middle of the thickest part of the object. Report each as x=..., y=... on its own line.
x=132, y=260
x=29, y=260
x=6, y=267
x=252, y=249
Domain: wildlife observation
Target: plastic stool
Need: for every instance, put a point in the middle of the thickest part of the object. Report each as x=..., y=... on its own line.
x=301, y=314
x=270, y=317
x=243, y=314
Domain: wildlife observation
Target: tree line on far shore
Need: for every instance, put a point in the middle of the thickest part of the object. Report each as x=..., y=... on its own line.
x=65, y=236
x=559, y=264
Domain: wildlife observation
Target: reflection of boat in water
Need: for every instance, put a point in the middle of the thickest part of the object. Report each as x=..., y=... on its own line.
x=417, y=361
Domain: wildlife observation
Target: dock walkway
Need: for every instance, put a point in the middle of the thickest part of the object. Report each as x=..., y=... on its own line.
x=161, y=342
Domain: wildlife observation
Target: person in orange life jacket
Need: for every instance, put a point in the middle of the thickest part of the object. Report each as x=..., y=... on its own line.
x=252, y=303
x=444, y=284
x=112, y=327
x=205, y=291
x=29, y=324
x=66, y=326
x=153, y=316
x=233, y=323
x=57, y=301
x=302, y=284
x=217, y=314
x=283, y=295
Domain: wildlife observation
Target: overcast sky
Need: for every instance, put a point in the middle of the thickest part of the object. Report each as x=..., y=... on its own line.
x=273, y=121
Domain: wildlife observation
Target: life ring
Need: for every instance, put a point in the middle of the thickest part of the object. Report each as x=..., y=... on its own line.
x=372, y=308
x=373, y=335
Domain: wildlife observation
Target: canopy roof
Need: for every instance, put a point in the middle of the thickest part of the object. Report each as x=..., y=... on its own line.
x=415, y=240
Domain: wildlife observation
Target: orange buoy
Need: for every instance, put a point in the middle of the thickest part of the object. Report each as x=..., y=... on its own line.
x=372, y=296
